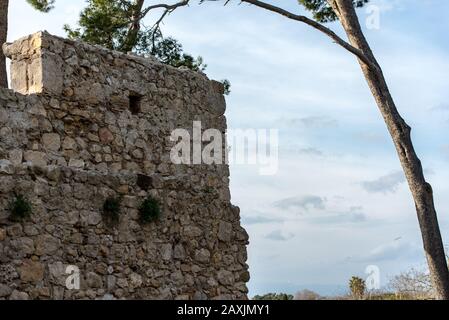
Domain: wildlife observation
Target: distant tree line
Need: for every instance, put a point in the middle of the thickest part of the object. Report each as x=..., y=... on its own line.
x=413, y=284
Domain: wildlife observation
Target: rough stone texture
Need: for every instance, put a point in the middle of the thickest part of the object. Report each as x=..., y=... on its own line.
x=31, y=271
x=68, y=141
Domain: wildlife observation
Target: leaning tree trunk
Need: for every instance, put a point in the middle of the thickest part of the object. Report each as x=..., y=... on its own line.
x=400, y=132
x=134, y=27
x=3, y=34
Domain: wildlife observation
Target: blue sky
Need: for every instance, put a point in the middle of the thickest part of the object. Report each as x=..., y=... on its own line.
x=338, y=202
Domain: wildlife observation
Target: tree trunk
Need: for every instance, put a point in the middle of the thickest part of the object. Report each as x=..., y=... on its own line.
x=400, y=132
x=134, y=27
x=3, y=35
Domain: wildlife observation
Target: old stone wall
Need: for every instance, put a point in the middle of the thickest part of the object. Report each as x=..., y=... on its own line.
x=82, y=124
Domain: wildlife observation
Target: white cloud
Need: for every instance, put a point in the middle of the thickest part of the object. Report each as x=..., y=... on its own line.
x=394, y=250
x=311, y=122
x=385, y=184
x=259, y=219
x=303, y=202
x=278, y=235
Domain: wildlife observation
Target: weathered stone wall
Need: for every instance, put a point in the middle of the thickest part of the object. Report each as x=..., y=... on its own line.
x=82, y=124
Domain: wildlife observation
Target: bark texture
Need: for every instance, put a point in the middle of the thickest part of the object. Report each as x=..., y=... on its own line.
x=138, y=13
x=134, y=28
x=400, y=133
x=3, y=35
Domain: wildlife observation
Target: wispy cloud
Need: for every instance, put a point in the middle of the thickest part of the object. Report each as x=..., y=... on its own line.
x=260, y=220
x=292, y=149
x=394, y=250
x=315, y=122
x=353, y=215
x=310, y=151
x=385, y=184
x=277, y=235
x=303, y=202
x=370, y=136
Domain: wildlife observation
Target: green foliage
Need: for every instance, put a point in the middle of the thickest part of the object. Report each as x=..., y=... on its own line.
x=20, y=208
x=102, y=22
x=107, y=23
x=322, y=11
x=208, y=190
x=168, y=51
x=227, y=86
x=42, y=5
x=149, y=210
x=357, y=287
x=111, y=210
x=274, y=296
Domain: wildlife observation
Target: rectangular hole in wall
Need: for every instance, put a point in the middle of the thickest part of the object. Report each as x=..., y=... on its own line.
x=134, y=103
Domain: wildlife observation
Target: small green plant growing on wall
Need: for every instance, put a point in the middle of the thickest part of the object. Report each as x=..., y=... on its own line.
x=149, y=210
x=111, y=210
x=208, y=190
x=20, y=208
